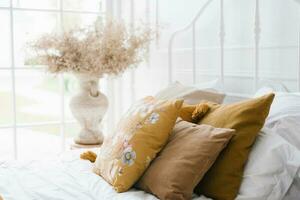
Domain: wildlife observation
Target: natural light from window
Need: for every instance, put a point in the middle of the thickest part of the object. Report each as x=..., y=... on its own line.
x=41, y=99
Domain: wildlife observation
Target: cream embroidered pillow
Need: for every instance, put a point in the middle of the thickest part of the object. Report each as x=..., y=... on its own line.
x=139, y=136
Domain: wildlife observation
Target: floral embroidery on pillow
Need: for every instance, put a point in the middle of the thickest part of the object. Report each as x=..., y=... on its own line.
x=121, y=154
x=154, y=117
x=128, y=156
x=141, y=108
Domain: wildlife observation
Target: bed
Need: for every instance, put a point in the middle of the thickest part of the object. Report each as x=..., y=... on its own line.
x=66, y=177
x=69, y=177
x=273, y=168
x=272, y=171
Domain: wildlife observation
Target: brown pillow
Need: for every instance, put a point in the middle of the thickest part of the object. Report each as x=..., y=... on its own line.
x=223, y=179
x=190, y=94
x=189, y=153
x=196, y=96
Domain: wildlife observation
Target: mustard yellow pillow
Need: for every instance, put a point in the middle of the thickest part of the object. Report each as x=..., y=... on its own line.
x=192, y=113
x=223, y=180
x=186, y=112
x=139, y=136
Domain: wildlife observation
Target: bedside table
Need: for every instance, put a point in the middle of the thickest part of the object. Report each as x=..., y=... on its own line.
x=84, y=146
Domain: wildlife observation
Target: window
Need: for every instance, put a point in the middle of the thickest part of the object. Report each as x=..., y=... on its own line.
x=33, y=104
x=35, y=119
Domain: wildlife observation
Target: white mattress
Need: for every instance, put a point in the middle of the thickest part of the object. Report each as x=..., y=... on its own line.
x=66, y=178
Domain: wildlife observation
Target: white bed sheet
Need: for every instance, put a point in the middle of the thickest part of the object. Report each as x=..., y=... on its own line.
x=66, y=178
x=294, y=191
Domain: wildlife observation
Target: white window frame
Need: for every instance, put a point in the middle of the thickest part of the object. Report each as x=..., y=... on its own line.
x=113, y=8
x=62, y=122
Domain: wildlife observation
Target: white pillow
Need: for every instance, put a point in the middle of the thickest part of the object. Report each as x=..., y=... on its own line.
x=284, y=105
x=288, y=128
x=263, y=90
x=273, y=163
x=270, y=86
x=214, y=85
x=191, y=94
x=294, y=191
x=284, y=117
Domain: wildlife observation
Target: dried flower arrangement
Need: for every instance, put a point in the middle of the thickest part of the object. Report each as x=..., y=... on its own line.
x=97, y=50
x=89, y=53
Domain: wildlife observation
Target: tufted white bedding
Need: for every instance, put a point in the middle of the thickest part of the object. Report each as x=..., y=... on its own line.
x=64, y=178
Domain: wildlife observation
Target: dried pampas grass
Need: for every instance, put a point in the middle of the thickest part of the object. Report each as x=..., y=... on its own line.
x=108, y=48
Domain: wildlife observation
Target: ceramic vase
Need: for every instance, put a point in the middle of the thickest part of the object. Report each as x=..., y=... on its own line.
x=89, y=107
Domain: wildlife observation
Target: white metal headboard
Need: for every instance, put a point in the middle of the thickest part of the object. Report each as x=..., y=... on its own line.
x=257, y=36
